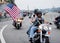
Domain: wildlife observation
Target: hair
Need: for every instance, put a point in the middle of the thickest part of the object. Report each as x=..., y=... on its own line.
x=37, y=12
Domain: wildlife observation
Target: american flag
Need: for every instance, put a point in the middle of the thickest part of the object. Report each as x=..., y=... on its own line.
x=12, y=10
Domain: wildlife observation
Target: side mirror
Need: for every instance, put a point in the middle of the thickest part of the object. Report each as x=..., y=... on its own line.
x=50, y=23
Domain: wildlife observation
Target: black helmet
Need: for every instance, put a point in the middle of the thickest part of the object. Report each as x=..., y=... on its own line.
x=37, y=11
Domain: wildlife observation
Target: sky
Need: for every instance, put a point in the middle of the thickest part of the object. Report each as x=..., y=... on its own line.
x=34, y=4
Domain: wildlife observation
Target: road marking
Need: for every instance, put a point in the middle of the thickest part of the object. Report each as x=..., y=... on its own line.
x=1, y=34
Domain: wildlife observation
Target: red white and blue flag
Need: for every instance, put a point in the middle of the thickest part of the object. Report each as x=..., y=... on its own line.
x=12, y=10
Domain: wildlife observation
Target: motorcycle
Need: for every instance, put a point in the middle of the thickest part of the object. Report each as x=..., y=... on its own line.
x=57, y=22
x=42, y=34
x=18, y=23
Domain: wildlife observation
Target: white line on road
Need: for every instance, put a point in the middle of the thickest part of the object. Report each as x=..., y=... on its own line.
x=1, y=34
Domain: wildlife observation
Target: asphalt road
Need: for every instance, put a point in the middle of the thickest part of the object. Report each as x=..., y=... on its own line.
x=12, y=35
x=0, y=41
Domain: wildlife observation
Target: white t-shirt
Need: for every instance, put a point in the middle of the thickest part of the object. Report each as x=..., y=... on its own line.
x=21, y=15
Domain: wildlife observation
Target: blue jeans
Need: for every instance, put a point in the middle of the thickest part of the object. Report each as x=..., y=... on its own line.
x=28, y=32
x=32, y=30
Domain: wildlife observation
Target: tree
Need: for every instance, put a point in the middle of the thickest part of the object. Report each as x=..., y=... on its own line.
x=10, y=1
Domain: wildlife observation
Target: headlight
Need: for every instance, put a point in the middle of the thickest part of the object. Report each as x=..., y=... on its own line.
x=19, y=20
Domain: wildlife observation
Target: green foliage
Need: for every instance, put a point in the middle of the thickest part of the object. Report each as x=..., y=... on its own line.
x=10, y=1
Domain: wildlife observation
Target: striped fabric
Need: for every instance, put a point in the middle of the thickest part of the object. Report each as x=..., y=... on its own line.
x=12, y=10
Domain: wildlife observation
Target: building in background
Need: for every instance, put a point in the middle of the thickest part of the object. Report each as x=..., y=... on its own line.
x=1, y=1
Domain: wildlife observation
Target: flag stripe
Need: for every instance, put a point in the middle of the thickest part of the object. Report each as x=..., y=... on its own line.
x=14, y=12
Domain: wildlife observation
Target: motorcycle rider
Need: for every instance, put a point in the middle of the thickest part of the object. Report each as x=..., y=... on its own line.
x=57, y=20
x=39, y=20
x=20, y=16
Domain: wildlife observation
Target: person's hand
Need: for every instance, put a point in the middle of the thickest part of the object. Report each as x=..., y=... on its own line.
x=32, y=20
